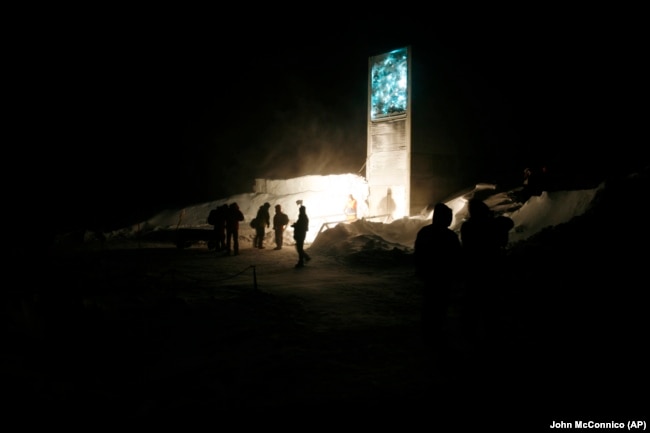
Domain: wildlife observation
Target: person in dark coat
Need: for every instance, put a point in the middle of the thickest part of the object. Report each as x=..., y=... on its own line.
x=212, y=219
x=483, y=239
x=233, y=218
x=220, y=227
x=280, y=221
x=300, y=229
x=262, y=222
x=437, y=255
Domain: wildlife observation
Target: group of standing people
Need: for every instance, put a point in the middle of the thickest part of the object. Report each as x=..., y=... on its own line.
x=226, y=219
x=263, y=220
x=447, y=264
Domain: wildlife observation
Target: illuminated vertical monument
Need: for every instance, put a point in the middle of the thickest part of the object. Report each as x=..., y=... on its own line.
x=388, y=165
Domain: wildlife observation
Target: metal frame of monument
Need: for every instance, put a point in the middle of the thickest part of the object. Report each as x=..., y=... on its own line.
x=388, y=163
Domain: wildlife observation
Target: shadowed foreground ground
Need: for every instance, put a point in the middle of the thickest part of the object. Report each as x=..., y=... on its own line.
x=157, y=332
x=148, y=330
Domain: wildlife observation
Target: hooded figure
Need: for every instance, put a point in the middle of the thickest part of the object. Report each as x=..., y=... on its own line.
x=484, y=238
x=280, y=221
x=300, y=229
x=262, y=222
x=437, y=253
x=233, y=218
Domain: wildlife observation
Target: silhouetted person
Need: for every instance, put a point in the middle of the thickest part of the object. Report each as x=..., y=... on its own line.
x=280, y=221
x=217, y=218
x=262, y=222
x=483, y=239
x=484, y=236
x=220, y=227
x=387, y=206
x=212, y=219
x=437, y=255
x=232, y=228
x=300, y=229
x=477, y=233
x=502, y=227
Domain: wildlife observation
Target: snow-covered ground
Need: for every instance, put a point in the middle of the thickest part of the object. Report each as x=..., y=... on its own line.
x=325, y=196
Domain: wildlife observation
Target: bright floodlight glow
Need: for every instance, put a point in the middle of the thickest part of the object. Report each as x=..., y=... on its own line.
x=389, y=94
x=325, y=198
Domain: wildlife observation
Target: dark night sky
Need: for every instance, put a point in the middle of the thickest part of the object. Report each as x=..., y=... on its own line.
x=120, y=115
